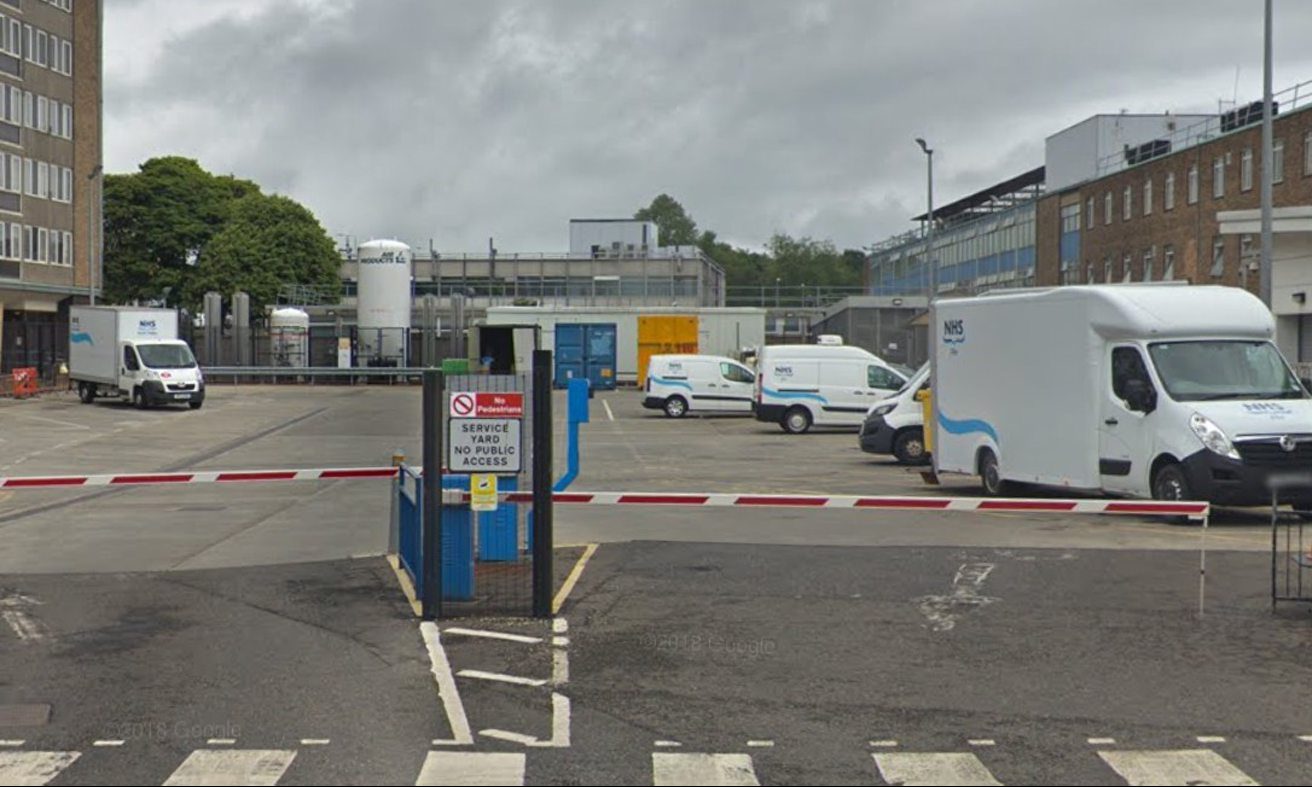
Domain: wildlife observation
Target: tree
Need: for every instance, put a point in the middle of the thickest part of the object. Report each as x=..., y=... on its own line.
x=676, y=227
x=268, y=241
x=157, y=216
x=812, y=262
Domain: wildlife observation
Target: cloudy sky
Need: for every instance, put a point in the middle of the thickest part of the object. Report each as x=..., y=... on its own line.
x=456, y=121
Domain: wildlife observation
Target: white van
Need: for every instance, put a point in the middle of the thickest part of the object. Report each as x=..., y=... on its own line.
x=896, y=425
x=1168, y=391
x=679, y=384
x=801, y=385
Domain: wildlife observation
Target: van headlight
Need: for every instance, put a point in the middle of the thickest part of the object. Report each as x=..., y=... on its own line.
x=884, y=409
x=1212, y=436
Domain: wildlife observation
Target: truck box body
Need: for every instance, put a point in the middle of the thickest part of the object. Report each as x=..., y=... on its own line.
x=97, y=332
x=1153, y=390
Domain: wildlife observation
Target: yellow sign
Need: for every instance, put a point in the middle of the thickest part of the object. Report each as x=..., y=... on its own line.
x=483, y=492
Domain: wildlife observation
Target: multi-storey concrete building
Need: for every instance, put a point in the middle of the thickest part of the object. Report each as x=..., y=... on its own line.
x=50, y=162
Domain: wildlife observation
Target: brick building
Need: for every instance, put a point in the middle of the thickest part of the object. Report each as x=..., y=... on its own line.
x=50, y=160
x=1185, y=209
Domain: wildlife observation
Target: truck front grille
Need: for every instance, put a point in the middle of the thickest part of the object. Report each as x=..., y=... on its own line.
x=1267, y=452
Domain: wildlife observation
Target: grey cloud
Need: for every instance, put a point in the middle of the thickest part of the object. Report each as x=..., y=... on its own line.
x=457, y=121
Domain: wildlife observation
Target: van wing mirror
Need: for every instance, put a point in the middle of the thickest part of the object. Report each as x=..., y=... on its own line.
x=1140, y=396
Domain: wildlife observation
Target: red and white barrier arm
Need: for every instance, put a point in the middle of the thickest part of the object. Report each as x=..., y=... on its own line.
x=196, y=477
x=905, y=503
x=886, y=503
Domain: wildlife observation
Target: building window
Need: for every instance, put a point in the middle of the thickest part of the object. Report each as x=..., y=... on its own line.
x=1218, y=256
x=1307, y=153
x=1092, y=216
x=1127, y=209
x=1107, y=208
x=1128, y=267
x=42, y=114
x=41, y=240
x=29, y=177
x=1089, y=274
x=55, y=255
x=1246, y=170
x=68, y=248
x=1148, y=197
x=43, y=180
x=68, y=121
x=1192, y=196
x=1278, y=161
x=14, y=107
x=28, y=50
x=1148, y=263
x=1247, y=254
x=42, y=48
x=15, y=173
x=1218, y=177
x=68, y=184
x=1107, y=269
x=68, y=57
x=1168, y=263
x=29, y=243
x=29, y=110
x=1168, y=192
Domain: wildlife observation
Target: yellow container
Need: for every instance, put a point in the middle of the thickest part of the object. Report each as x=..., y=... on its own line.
x=925, y=398
x=664, y=334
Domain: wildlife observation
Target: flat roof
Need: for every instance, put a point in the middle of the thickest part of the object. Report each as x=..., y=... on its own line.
x=969, y=204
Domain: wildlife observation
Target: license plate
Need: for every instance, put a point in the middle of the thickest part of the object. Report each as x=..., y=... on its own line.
x=182, y=396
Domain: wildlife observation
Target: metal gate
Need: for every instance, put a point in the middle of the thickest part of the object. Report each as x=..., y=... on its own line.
x=467, y=562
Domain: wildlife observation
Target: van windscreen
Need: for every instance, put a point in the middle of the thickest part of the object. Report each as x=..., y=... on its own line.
x=1199, y=371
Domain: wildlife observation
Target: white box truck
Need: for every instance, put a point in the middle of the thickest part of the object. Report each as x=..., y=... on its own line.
x=1156, y=390
x=132, y=353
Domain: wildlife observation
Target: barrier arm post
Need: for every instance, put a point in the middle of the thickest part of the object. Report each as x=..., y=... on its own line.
x=434, y=412
x=542, y=493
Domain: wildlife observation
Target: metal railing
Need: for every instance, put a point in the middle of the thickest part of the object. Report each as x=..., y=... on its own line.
x=311, y=374
x=790, y=297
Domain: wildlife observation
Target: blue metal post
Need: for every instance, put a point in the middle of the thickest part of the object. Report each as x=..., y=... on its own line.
x=579, y=390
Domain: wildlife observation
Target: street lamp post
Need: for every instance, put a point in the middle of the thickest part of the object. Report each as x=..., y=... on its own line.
x=1268, y=162
x=91, y=235
x=932, y=426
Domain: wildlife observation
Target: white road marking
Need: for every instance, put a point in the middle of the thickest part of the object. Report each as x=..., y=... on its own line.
x=44, y=419
x=707, y=769
x=560, y=642
x=913, y=768
x=943, y=612
x=560, y=723
x=472, y=768
x=1102, y=741
x=493, y=635
x=221, y=742
x=108, y=743
x=1305, y=738
x=446, y=685
x=15, y=609
x=500, y=677
x=504, y=735
x=255, y=767
x=559, y=625
x=24, y=768
x=760, y=744
x=606, y=405
x=884, y=744
x=668, y=744
x=12, y=743
x=982, y=742
x=1210, y=739
x=1187, y=766
x=559, y=667
x=315, y=741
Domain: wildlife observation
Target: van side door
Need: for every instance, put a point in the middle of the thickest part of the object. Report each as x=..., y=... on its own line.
x=129, y=368
x=735, y=384
x=1126, y=425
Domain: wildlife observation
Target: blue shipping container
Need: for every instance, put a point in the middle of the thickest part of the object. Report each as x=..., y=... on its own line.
x=586, y=350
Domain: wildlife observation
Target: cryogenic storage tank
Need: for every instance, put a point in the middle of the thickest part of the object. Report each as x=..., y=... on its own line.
x=383, y=303
x=289, y=337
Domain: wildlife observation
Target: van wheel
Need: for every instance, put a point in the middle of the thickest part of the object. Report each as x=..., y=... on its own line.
x=797, y=420
x=909, y=447
x=676, y=407
x=195, y=405
x=139, y=399
x=991, y=478
x=86, y=393
x=1170, y=484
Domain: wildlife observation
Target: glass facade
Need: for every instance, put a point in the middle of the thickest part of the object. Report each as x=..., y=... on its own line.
x=987, y=252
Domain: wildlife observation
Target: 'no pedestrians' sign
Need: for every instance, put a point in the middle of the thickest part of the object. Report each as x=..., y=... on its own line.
x=485, y=435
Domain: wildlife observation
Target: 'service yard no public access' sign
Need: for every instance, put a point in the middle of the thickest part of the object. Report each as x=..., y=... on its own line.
x=484, y=445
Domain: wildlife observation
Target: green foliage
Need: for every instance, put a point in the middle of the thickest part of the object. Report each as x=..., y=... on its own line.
x=787, y=261
x=170, y=208
x=267, y=241
x=676, y=227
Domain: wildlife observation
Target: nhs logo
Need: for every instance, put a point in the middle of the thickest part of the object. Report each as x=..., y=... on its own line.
x=954, y=332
